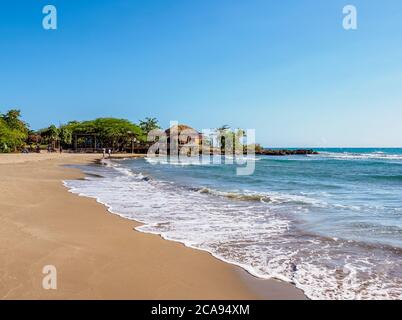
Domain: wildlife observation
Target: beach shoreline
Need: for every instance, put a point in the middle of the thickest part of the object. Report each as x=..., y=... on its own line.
x=98, y=255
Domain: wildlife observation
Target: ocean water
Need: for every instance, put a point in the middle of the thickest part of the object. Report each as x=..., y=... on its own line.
x=329, y=223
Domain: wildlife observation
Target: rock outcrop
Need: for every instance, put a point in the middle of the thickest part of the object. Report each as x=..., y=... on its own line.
x=286, y=152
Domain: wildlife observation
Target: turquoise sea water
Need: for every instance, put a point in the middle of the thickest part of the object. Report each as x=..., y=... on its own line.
x=330, y=223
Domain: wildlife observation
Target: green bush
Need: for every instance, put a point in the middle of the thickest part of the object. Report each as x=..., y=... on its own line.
x=13, y=132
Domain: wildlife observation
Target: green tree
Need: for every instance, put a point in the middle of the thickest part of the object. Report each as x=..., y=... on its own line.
x=149, y=124
x=13, y=131
x=229, y=139
x=223, y=136
x=13, y=121
x=117, y=134
x=238, y=136
x=51, y=135
x=66, y=135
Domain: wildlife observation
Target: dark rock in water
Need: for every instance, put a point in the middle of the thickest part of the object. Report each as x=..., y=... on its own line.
x=286, y=152
x=272, y=152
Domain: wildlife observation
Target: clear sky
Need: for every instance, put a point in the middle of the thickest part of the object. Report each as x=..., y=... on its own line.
x=286, y=68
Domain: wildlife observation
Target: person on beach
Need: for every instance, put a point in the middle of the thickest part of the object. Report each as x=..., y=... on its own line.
x=109, y=152
x=61, y=149
x=104, y=153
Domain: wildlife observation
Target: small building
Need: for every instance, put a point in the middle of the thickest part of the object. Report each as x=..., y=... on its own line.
x=185, y=135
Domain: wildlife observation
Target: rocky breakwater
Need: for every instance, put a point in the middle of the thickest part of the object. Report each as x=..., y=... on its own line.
x=285, y=152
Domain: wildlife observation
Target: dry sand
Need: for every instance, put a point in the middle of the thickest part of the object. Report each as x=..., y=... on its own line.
x=98, y=255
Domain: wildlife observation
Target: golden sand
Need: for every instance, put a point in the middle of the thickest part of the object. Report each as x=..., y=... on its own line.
x=98, y=255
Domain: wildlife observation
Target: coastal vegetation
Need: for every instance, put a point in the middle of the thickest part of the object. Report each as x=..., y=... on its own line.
x=13, y=131
x=118, y=135
x=149, y=124
x=230, y=140
x=113, y=133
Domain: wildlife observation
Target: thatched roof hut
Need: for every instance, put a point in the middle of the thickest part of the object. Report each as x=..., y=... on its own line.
x=179, y=128
x=184, y=130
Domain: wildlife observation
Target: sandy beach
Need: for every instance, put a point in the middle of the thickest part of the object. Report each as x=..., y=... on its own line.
x=98, y=255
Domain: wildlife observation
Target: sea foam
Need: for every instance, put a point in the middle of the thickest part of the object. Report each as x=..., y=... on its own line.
x=254, y=230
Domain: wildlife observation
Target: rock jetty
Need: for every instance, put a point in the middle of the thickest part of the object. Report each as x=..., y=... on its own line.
x=285, y=152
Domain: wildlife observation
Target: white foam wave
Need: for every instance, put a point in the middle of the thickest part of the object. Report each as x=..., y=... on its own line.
x=204, y=160
x=265, y=197
x=357, y=156
x=251, y=235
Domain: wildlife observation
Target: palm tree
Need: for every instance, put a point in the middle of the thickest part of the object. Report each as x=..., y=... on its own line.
x=149, y=124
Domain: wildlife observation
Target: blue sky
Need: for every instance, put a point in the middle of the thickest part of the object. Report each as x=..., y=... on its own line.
x=286, y=68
